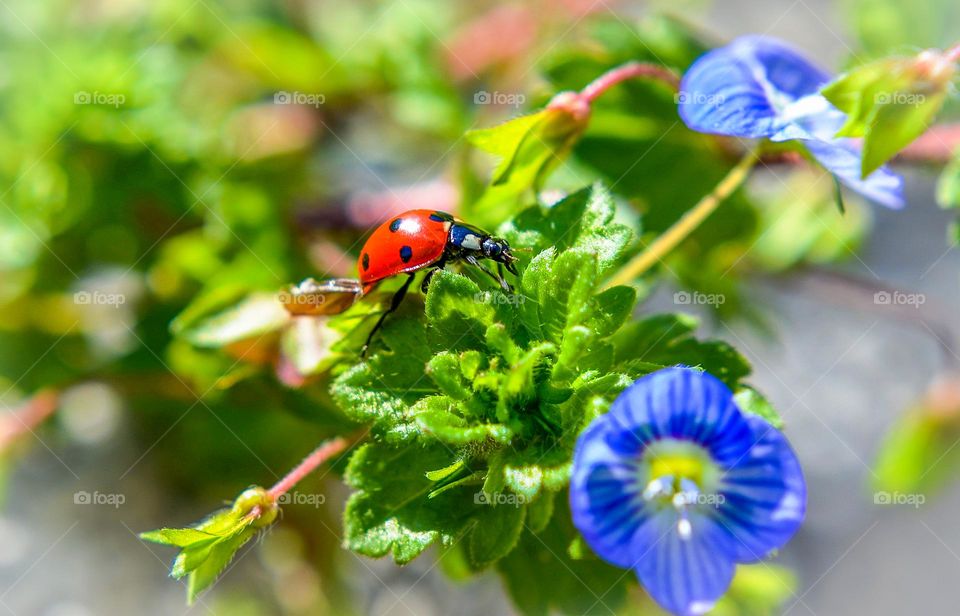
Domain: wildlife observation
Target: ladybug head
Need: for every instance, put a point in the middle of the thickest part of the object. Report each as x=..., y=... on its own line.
x=498, y=250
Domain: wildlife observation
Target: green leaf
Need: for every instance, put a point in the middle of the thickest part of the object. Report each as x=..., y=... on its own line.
x=918, y=454
x=436, y=416
x=948, y=187
x=540, y=511
x=456, y=320
x=505, y=141
x=530, y=148
x=540, y=466
x=542, y=578
x=562, y=290
x=446, y=472
x=445, y=370
x=520, y=384
x=582, y=220
x=390, y=512
x=665, y=340
x=382, y=391
x=592, y=396
x=611, y=309
x=895, y=125
x=750, y=401
x=218, y=557
x=207, y=548
x=890, y=102
x=180, y=537
x=496, y=532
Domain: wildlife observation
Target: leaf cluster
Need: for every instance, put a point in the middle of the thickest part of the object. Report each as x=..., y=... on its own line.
x=476, y=402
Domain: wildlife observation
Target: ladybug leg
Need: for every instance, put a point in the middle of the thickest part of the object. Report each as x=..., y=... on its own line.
x=472, y=260
x=426, y=279
x=394, y=304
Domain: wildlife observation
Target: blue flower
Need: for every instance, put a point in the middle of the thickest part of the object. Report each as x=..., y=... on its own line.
x=758, y=87
x=676, y=483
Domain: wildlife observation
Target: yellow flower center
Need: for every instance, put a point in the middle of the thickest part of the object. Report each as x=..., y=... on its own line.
x=677, y=465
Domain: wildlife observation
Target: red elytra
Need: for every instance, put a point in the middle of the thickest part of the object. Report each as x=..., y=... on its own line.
x=427, y=239
x=406, y=243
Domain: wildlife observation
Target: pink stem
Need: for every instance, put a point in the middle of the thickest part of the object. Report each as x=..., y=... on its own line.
x=321, y=454
x=27, y=417
x=631, y=70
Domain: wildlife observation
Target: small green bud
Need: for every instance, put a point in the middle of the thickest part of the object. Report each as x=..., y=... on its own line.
x=255, y=497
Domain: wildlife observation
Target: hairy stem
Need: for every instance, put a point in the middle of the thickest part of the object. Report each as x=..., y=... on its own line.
x=693, y=218
x=630, y=70
x=325, y=451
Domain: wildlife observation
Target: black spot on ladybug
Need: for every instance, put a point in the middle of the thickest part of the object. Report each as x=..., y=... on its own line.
x=365, y=262
x=406, y=253
x=395, y=225
x=441, y=217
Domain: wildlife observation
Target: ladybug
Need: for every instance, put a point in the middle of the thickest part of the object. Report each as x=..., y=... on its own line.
x=427, y=240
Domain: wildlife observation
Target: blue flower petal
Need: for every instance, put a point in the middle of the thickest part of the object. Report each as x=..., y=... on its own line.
x=741, y=89
x=759, y=87
x=842, y=158
x=687, y=575
x=764, y=495
x=606, y=497
x=684, y=404
x=814, y=121
x=684, y=552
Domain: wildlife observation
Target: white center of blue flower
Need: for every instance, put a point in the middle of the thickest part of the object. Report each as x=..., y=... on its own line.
x=677, y=474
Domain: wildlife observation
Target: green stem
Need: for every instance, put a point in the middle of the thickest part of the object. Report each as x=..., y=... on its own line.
x=692, y=219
